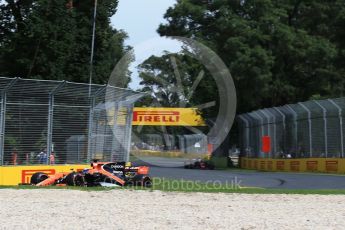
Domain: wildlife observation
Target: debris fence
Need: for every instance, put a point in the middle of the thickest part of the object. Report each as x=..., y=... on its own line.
x=307, y=129
x=59, y=122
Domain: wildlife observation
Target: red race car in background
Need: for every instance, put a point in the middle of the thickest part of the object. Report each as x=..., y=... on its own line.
x=106, y=174
x=199, y=164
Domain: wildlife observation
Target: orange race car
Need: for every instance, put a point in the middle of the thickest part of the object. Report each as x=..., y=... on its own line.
x=106, y=174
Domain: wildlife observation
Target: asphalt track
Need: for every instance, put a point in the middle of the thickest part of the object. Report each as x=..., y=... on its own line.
x=275, y=180
x=171, y=169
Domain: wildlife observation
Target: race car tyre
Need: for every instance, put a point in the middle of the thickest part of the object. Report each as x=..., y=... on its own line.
x=38, y=178
x=74, y=179
x=142, y=180
x=147, y=182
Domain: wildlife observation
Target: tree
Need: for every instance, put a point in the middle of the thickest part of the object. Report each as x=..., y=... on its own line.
x=170, y=78
x=50, y=39
x=278, y=51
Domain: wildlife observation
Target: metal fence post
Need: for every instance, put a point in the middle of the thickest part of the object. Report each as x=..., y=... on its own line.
x=324, y=110
x=2, y=127
x=129, y=130
x=282, y=114
x=296, y=125
x=284, y=125
x=2, y=121
x=340, y=111
x=89, y=137
x=262, y=131
x=3, y=118
x=90, y=125
x=268, y=127
x=251, y=141
x=262, y=123
x=268, y=121
x=50, y=126
x=115, y=116
x=246, y=129
x=50, y=120
x=274, y=131
x=310, y=129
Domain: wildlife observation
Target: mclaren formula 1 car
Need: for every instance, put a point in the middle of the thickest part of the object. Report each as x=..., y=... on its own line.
x=107, y=174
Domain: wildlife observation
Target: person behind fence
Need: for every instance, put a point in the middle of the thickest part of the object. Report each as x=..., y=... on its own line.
x=52, y=158
x=14, y=157
x=42, y=157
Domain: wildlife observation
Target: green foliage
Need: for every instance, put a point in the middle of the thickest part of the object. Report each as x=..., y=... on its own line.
x=278, y=51
x=46, y=39
x=172, y=80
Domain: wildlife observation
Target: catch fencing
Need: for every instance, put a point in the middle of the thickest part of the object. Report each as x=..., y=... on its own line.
x=59, y=122
x=307, y=129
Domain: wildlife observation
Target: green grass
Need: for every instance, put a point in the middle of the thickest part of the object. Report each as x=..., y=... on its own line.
x=169, y=185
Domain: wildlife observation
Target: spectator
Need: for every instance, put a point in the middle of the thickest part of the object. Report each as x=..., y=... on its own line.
x=52, y=158
x=42, y=157
x=14, y=156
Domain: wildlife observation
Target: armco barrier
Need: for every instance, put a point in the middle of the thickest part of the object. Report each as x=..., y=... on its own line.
x=322, y=165
x=14, y=175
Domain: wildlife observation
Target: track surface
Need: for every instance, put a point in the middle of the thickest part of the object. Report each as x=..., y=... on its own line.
x=254, y=178
x=172, y=168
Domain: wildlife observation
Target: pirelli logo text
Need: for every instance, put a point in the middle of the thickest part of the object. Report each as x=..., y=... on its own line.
x=156, y=116
x=27, y=174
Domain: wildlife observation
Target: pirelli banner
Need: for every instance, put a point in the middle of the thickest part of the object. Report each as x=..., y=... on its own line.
x=167, y=117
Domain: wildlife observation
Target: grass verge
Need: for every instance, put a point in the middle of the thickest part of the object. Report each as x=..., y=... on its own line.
x=170, y=185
